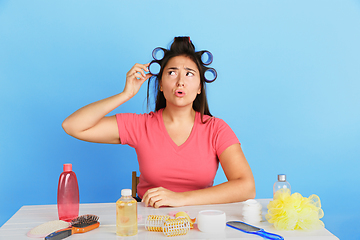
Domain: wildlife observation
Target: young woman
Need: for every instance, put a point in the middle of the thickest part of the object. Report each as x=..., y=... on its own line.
x=179, y=145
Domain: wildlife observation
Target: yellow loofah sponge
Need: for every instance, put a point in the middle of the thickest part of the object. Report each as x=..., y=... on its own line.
x=295, y=212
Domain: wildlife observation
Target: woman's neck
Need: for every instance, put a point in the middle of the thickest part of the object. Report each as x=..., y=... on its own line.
x=178, y=114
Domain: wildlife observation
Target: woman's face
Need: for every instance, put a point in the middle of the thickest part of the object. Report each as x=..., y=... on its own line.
x=180, y=81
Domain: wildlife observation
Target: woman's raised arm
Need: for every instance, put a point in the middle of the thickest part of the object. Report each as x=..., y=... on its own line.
x=90, y=123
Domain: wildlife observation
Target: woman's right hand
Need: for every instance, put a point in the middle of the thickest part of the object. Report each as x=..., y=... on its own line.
x=135, y=77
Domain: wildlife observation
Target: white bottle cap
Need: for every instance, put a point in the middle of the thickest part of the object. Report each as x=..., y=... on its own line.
x=126, y=192
x=282, y=177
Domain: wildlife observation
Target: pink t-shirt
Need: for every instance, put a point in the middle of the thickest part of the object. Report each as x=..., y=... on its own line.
x=162, y=163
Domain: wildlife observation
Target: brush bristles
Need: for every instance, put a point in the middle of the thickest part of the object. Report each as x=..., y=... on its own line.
x=84, y=220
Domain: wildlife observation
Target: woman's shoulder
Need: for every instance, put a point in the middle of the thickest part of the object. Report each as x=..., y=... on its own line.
x=138, y=118
x=142, y=115
x=210, y=120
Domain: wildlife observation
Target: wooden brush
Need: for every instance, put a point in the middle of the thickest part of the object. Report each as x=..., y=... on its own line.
x=80, y=224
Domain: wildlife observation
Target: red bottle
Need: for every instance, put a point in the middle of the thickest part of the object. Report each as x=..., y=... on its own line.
x=68, y=195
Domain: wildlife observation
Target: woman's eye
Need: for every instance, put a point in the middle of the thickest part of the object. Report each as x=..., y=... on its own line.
x=189, y=74
x=172, y=73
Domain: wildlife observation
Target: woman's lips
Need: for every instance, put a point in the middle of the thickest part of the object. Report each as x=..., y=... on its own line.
x=179, y=93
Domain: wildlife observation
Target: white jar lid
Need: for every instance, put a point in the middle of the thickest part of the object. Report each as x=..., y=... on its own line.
x=211, y=221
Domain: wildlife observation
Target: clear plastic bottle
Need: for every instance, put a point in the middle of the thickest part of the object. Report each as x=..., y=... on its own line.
x=281, y=183
x=68, y=195
x=126, y=214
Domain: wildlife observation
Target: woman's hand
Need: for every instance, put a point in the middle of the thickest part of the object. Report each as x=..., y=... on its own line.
x=135, y=77
x=157, y=197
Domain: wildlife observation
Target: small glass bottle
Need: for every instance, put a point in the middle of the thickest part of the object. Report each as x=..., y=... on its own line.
x=126, y=214
x=281, y=183
x=68, y=195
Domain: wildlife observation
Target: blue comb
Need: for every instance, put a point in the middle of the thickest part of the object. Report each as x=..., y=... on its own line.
x=247, y=228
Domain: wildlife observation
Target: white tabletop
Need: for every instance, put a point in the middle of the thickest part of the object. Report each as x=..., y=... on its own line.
x=29, y=217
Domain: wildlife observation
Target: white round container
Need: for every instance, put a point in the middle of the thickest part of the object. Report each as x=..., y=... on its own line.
x=251, y=211
x=211, y=221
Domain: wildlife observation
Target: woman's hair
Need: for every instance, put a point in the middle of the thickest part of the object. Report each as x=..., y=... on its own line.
x=182, y=46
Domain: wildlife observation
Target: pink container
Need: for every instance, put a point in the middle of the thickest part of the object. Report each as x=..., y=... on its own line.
x=68, y=195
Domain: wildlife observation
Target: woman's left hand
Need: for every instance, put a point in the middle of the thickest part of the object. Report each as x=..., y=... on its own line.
x=157, y=197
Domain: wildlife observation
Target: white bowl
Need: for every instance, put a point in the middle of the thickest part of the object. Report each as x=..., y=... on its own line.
x=211, y=221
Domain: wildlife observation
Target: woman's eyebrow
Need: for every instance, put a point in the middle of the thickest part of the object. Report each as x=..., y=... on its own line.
x=173, y=68
x=176, y=68
x=189, y=69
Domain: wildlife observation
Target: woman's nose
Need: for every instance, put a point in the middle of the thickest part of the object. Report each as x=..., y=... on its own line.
x=180, y=82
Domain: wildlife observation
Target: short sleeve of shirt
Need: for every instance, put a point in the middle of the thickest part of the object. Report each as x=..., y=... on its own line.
x=131, y=127
x=223, y=136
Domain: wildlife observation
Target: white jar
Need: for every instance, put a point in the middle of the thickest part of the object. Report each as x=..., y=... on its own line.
x=211, y=221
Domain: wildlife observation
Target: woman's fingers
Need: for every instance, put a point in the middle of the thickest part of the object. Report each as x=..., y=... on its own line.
x=139, y=70
x=157, y=197
x=151, y=193
x=151, y=196
x=139, y=75
x=135, y=77
x=155, y=201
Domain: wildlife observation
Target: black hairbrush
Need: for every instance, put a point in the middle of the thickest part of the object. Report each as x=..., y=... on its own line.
x=80, y=224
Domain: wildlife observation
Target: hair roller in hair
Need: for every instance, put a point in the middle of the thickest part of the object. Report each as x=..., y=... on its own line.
x=206, y=57
x=210, y=75
x=158, y=53
x=154, y=67
x=184, y=38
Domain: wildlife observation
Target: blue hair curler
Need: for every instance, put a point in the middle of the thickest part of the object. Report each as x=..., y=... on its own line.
x=206, y=57
x=154, y=67
x=210, y=75
x=158, y=53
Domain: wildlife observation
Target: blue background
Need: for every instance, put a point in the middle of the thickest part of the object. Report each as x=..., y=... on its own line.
x=288, y=85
